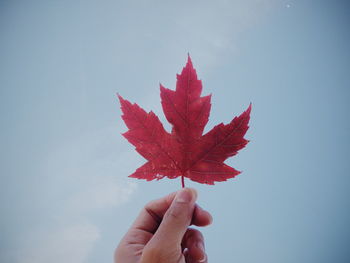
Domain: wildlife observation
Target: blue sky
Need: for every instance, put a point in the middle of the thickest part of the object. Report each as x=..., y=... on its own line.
x=64, y=191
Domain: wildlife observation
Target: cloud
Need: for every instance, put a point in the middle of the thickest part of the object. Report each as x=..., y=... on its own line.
x=102, y=193
x=209, y=30
x=212, y=29
x=93, y=171
x=70, y=244
x=80, y=180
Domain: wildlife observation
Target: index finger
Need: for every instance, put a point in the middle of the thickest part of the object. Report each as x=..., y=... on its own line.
x=152, y=214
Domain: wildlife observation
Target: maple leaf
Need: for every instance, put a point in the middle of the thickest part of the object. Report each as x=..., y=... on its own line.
x=185, y=152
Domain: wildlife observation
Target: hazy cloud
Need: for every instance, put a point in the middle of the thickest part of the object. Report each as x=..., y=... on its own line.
x=81, y=178
x=70, y=244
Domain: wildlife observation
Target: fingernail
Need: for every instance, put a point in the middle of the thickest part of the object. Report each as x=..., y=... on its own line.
x=210, y=219
x=201, y=247
x=184, y=196
x=203, y=259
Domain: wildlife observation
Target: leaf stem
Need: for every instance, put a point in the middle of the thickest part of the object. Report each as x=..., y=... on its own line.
x=183, y=181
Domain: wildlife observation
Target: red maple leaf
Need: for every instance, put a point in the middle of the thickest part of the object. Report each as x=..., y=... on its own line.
x=185, y=151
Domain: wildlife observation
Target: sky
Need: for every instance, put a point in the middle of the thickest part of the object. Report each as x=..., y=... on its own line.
x=65, y=195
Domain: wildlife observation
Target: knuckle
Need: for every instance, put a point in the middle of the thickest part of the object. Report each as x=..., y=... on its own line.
x=198, y=234
x=194, y=235
x=148, y=205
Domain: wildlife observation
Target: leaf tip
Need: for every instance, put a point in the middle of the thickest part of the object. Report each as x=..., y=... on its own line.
x=189, y=60
x=120, y=97
x=249, y=109
x=161, y=86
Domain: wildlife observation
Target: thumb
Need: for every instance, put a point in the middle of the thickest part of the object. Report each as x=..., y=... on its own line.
x=177, y=218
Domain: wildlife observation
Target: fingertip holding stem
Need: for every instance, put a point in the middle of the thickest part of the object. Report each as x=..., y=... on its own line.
x=186, y=195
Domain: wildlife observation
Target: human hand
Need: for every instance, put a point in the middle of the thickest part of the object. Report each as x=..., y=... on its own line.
x=161, y=233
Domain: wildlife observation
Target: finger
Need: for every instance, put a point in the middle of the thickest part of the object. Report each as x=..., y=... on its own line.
x=201, y=217
x=193, y=244
x=177, y=218
x=152, y=214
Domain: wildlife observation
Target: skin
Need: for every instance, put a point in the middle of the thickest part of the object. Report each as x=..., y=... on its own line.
x=161, y=232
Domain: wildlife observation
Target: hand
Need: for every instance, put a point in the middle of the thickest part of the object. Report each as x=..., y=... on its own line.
x=161, y=233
